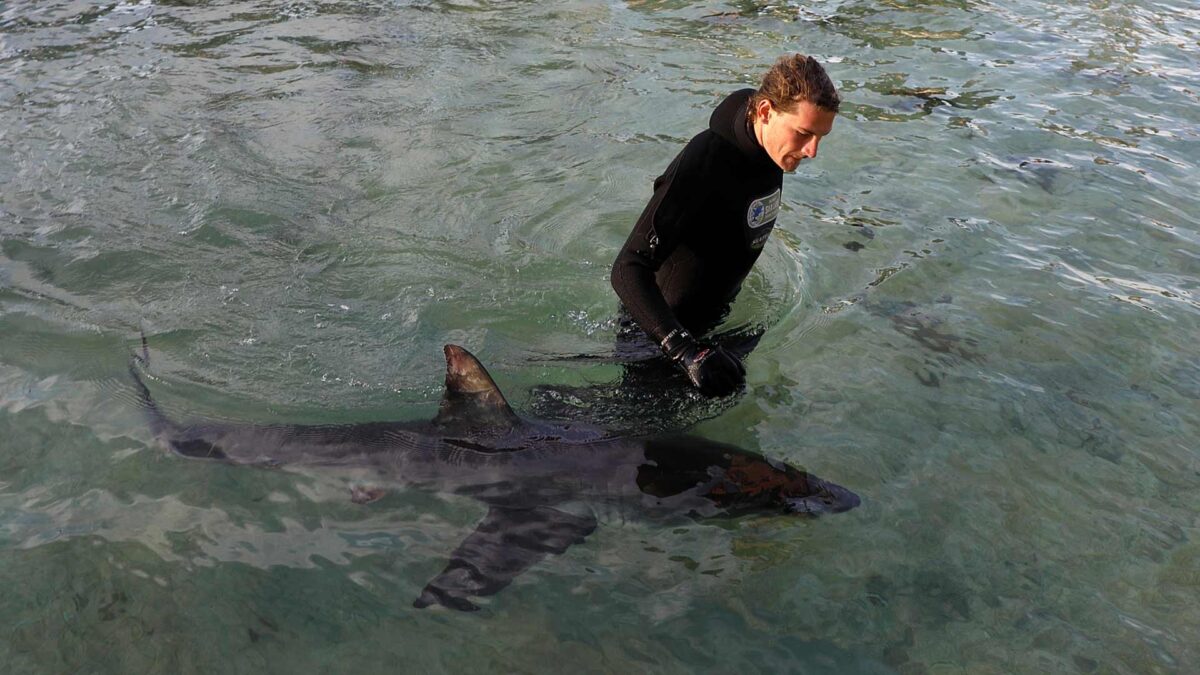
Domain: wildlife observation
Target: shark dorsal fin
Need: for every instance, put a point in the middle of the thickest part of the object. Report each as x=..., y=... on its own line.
x=472, y=399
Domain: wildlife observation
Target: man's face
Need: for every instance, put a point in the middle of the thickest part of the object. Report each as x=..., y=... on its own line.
x=789, y=137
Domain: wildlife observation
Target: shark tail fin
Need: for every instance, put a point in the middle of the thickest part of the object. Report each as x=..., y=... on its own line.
x=471, y=397
x=159, y=422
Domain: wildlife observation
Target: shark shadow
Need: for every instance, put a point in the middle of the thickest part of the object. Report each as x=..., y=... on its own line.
x=542, y=482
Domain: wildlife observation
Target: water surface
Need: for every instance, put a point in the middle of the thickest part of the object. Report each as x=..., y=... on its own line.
x=982, y=301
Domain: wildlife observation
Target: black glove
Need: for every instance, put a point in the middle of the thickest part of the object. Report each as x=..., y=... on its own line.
x=714, y=371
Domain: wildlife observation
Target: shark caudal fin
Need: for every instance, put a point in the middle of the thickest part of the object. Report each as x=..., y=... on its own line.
x=161, y=425
x=158, y=421
x=472, y=398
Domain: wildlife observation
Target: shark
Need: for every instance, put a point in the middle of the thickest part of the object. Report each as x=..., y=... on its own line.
x=543, y=482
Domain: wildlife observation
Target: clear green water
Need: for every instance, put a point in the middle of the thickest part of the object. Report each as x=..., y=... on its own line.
x=303, y=201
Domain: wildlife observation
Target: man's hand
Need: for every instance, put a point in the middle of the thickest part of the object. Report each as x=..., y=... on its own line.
x=714, y=371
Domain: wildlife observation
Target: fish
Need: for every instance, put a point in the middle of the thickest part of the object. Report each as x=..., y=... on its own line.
x=543, y=483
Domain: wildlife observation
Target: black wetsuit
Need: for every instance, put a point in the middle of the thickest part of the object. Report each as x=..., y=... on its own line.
x=695, y=242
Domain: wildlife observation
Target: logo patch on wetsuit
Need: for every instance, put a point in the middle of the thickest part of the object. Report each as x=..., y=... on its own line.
x=764, y=210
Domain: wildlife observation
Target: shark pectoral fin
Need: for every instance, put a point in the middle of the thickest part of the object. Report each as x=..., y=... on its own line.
x=506, y=543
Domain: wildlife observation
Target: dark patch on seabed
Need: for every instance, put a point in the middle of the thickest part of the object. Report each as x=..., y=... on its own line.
x=926, y=328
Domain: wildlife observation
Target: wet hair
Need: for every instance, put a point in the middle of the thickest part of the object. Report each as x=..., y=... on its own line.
x=795, y=78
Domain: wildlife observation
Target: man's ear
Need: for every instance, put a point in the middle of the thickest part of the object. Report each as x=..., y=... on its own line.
x=762, y=110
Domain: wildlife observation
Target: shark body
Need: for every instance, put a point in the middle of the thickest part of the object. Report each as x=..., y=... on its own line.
x=542, y=482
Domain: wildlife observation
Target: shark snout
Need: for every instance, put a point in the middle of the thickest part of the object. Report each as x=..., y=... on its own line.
x=829, y=498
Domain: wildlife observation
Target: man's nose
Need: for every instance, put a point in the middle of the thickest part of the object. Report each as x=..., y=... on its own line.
x=810, y=149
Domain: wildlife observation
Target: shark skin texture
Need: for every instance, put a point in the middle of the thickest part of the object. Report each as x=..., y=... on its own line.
x=542, y=482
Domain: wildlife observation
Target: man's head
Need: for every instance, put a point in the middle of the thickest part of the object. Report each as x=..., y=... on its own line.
x=793, y=109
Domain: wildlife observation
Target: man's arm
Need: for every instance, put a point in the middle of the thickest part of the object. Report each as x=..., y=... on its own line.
x=653, y=239
x=676, y=204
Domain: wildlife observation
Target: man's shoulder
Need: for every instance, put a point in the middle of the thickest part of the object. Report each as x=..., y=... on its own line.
x=705, y=152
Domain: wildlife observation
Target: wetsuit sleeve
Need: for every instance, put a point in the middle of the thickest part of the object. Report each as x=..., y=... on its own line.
x=675, y=206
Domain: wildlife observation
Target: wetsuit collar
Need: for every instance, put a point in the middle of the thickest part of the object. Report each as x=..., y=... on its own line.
x=729, y=121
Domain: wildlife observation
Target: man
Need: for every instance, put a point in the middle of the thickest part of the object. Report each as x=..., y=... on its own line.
x=712, y=211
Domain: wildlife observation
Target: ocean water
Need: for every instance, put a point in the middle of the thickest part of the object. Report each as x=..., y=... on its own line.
x=982, y=302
